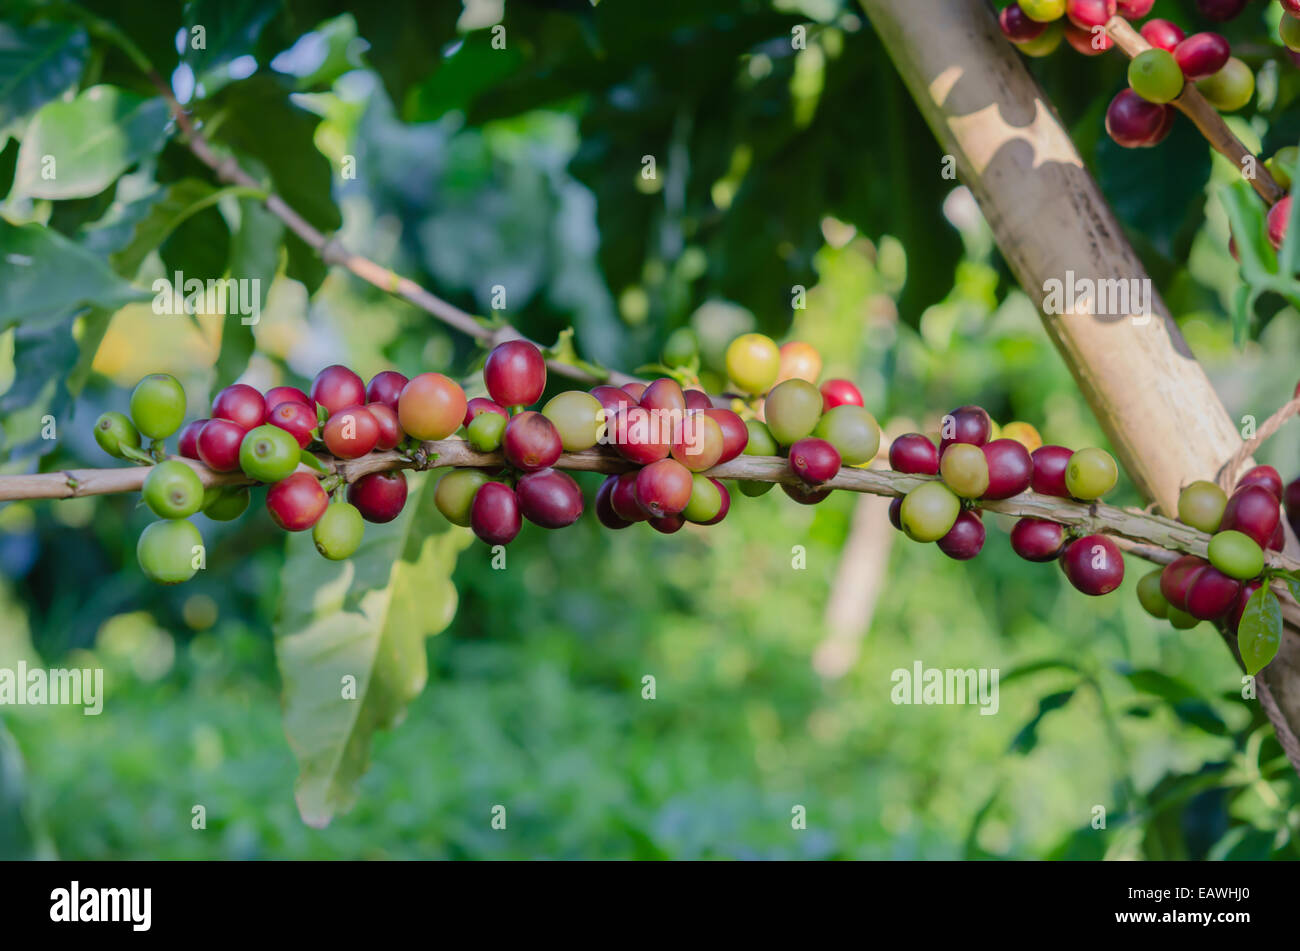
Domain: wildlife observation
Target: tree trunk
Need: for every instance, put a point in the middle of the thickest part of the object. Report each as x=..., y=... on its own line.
x=1049, y=217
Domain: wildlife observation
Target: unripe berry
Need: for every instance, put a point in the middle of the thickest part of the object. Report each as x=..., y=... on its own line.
x=173, y=490
x=929, y=511
x=1289, y=31
x=1201, y=506
x=753, y=362
x=226, y=504
x=454, y=494
x=1044, y=11
x=578, y=417
x=296, y=503
x=379, y=496
x=485, y=432
x=515, y=373
x=1149, y=596
x=1230, y=88
x=166, y=551
x=1094, y=565
x=1154, y=75
x=336, y=387
x=799, y=361
x=852, y=431
x=339, y=532
x=792, y=410
x=1090, y=474
x=1237, y=555
x=268, y=454
x=431, y=406
x=114, y=430
x=964, y=469
x=1023, y=433
x=158, y=405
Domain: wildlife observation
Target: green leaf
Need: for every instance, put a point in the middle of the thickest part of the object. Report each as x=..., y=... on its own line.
x=1260, y=632
x=183, y=199
x=37, y=63
x=254, y=256
x=364, y=619
x=77, y=149
x=230, y=30
x=1154, y=682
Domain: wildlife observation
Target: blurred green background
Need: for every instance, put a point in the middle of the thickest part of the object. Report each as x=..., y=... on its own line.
x=522, y=168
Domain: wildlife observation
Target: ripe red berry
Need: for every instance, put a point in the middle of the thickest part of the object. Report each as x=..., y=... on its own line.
x=664, y=395
x=531, y=442
x=1291, y=499
x=965, y=424
x=622, y=498
x=295, y=418
x=814, y=460
x=1086, y=14
x=188, y=442
x=1035, y=539
x=914, y=454
x=296, y=503
x=1220, y=10
x=1266, y=476
x=667, y=524
x=1088, y=41
x=1093, y=564
x=285, y=394
x=241, y=404
x=1133, y=122
x=1176, y=578
x=1050, y=463
x=1162, y=34
x=350, y=433
x=605, y=508
x=1211, y=593
x=218, y=444
x=1017, y=27
x=390, y=430
x=634, y=390
x=726, y=503
x=1278, y=217
x=379, y=496
x=1135, y=9
x=837, y=393
x=494, y=516
x=697, y=399
x=735, y=435
x=699, y=443
x=612, y=398
x=965, y=539
x=1253, y=511
x=896, y=512
x=386, y=387
x=638, y=436
x=549, y=498
x=1010, y=468
x=1292, y=7
x=1202, y=55
x=336, y=387
x=479, y=405
x=663, y=488
x=1278, y=541
x=1234, y=616
x=805, y=494
x=431, y=406
x=515, y=373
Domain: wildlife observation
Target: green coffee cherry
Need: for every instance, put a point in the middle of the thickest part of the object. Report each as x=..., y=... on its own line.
x=338, y=532
x=113, y=431
x=158, y=405
x=226, y=503
x=173, y=490
x=485, y=431
x=1201, y=506
x=1237, y=555
x=1150, y=596
x=166, y=551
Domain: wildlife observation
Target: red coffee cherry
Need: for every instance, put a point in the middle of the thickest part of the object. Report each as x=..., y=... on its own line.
x=1220, y=10
x=663, y=488
x=1093, y=564
x=386, y=387
x=241, y=404
x=379, y=496
x=515, y=373
x=1278, y=217
x=1202, y=55
x=896, y=512
x=814, y=460
x=1050, y=463
x=1162, y=34
x=1291, y=499
x=1135, y=9
x=390, y=430
x=965, y=539
x=431, y=406
x=1176, y=579
x=1211, y=593
x=605, y=508
x=638, y=436
x=188, y=442
x=218, y=445
x=622, y=498
x=699, y=443
x=1266, y=476
x=966, y=424
x=336, y=387
x=735, y=434
x=531, y=442
x=549, y=498
x=612, y=398
x=914, y=454
x=350, y=433
x=664, y=395
x=296, y=503
x=1086, y=14
x=1252, y=510
x=1234, y=616
x=1035, y=539
x=479, y=405
x=1135, y=123
x=494, y=516
x=1087, y=41
x=667, y=524
x=697, y=399
x=726, y=503
x=1010, y=468
x=285, y=394
x=837, y=393
x=805, y=494
x=634, y=390
x=1017, y=27
x=297, y=419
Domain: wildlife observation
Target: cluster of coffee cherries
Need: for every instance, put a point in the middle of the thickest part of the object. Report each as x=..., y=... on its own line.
x=1140, y=116
x=669, y=435
x=1243, y=527
x=974, y=462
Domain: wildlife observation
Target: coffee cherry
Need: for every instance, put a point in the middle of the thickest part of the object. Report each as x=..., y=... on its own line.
x=838, y=393
x=852, y=431
x=1135, y=9
x=1043, y=11
x=286, y=394
x=494, y=515
x=1284, y=161
x=454, y=494
x=735, y=435
x=578, y=417
x=814, y=460
x=531, y=442
x=1238, y=609
x=1050, y=463
x=225, y=504
x=1035, y=539
x=1291, y=499
x=663, y=488
x=759, y=443
x=1010, y=468
x=668, y=524
x=1237, y=555
x=753, y=362
x=1278, y=541
x=1090, y=474
x=173, y=490
x=965, y=424
x=805, y=494
x=604, y=507
x=296, y=419
x=1162, y=34
x=390, y=430
x=386, y=387
x=1176, y=579
x=187, y=441
x=379, y=496
x=697, y=399
x=1289, y=31
x=241, y=404
x=1265, y=476
x=1202, y=55
x=638, y=436
x=612, y=399
x=1149, y=596
x=681, y=348
x=1133, y=122
x=706, y=501
x=549, y=498
x=1230, y=88
x=799, y=361
x=338, y=533
x=965, y=539
x=726, y=502
x=1086, y=14
x=480, y=405
x=792, y=410
x=298, y=502
x=268, y=454
x=1023, y=433
x=622, y=498
x=114, y=430
x=1279, y=216
x=1220, y=10
x=914, y=454
x=431, y=406
x=634, y=390
x=1181, y=620
x=1201, y=505
x=1291, y=6
x=701, y=443
x=1093, y=564
x=1017, y=27
x=486, y=431
x=896, y=512
x=964, y=469
x=158, y=405
x=664, y=395
x=350, y=433
x=515, y=373
x=1211, y=594
x=218, y=445
x=1089, y=42
x=336, y=387
x=1044, y=45
x=1154, y=75
x=1254, y=511
x=929, y=511
x=166, y=551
